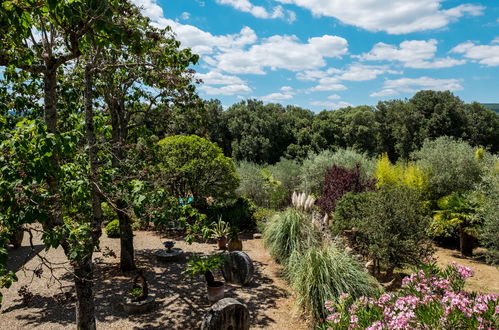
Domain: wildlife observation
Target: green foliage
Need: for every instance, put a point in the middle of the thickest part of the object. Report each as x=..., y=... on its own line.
x=287, y=173
x=289, y=231
x=262, y=216
x=113, y=229
x=390, y=225
x=193, y=166
x=488, y=212
x=454, y=211
x=197, y=265
x=322, y=273
x=252, y=184
x=239, y=213
x=220, y=229
x=135, y=293
x=451, y=166
x=314, y=168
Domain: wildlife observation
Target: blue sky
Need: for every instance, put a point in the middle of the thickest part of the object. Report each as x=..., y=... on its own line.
x=326, y=54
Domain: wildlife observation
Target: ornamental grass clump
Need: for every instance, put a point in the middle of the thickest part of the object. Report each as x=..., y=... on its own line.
x=429, y=299
x=289, y=231
x=322, y=273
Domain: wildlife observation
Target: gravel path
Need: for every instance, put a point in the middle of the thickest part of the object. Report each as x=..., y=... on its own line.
x=181, y=302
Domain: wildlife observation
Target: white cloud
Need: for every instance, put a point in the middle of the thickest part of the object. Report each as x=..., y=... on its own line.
x=226, y=90
x=201, y=42
x=412, y=85
x=282, y=52
x=217, y=78
x=258, y=11
x=334, y=97
x=417, y=54
x=330, y=79
x=483, y=54
x=287, y=89
x=331, y=105
x=392, y=16
x=185, y=15
x=276, y=97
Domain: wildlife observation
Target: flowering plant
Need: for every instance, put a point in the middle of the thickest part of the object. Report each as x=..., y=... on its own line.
x=431, y=298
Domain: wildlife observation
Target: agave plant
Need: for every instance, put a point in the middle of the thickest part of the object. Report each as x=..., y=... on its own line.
x=220, y=229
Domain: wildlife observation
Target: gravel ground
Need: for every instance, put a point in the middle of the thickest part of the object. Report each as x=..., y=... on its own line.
x=181, y=302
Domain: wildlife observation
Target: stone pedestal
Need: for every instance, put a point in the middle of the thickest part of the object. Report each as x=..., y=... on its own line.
x=175, y=255
x=227, y=314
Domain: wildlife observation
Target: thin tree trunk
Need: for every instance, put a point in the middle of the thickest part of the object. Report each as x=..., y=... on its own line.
x=50, y=116
x=85, y=306
x=97, y=213
x=119, y=135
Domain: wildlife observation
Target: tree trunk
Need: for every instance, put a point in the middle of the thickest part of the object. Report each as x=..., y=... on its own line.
x=97, y=214
x=119, y=137
x=85, y=306
x=465, y=242
x=50, y=116
x=127, y=261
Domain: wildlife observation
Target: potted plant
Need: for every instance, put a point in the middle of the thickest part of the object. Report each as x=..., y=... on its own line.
x=220, y=231
x=203, y=266
x=234, y=244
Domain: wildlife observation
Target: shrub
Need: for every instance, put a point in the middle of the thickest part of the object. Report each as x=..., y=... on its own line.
x=488, y=211
x=322, y=273
x=239, y=213
x=287, y=172
x=451, y=166
x=113, y=229
x=314, y=168
x=262, y=215
x=429, y=299
x=289, y=231
x=191, y=165
x=338, y=182
x=400, y=174
x=252, y=184
x=390, y=225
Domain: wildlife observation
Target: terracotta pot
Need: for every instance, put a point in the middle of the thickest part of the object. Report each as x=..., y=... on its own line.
x=222, y=242
x=216, y=292
x=235, y=245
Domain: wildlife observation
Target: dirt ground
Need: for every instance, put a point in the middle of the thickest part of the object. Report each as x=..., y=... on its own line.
x=181, y=302
x=486, y=277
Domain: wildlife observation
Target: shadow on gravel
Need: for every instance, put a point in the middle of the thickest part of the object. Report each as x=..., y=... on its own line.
x=181, y=302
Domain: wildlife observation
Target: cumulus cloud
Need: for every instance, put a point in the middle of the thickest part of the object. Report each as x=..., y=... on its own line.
x=282, y=52
x=330, y=79
x=217, y=78
x=412, y=85
x=331, y=105
x=258, y=11
x=484, y=54
x=394, y=16
x=235, y=89
x=287, y=93
x=417, y=54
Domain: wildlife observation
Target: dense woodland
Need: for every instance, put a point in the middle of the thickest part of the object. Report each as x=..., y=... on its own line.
x=100, y=120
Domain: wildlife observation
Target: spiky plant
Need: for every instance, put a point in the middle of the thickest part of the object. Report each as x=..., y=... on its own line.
x=322, y=273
